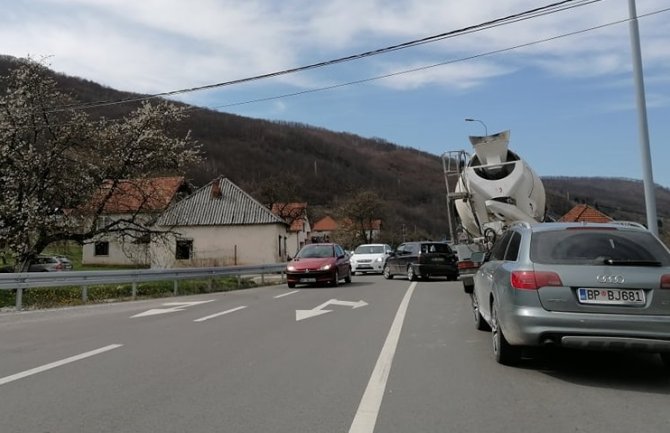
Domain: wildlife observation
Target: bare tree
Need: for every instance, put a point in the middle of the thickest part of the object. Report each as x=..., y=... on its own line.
x=360, y=212
x=60, y=169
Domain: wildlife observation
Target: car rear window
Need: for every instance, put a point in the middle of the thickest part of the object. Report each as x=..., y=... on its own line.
x=436, y=248
x=593, y=246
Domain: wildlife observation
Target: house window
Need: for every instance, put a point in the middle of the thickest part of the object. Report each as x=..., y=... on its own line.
x=184, y=249
x=103, y=222
x=102, y=248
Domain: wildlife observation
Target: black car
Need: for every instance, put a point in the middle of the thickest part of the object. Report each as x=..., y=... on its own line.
x=422, y=260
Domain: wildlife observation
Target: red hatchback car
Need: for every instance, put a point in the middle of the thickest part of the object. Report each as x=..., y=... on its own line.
x=324, y=263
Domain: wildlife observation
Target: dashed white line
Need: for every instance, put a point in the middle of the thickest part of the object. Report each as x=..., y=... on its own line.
x=368, y=409
x=286, y=294
x=17, y=376
x=202, y=319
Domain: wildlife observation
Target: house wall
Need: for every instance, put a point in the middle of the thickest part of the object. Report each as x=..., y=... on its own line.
x=224, y=246
x=121, y=251
x=297, y=240
x=119, y=254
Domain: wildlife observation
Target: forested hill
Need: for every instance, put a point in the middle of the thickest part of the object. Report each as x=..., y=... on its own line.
x=302, y=163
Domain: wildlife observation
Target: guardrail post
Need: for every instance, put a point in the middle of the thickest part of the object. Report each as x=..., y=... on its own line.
x=134, y=294
x=210, y=284
x=19, y=298
x=84, y=294
x=175, y=287
x=239, y=280
x=262, y=278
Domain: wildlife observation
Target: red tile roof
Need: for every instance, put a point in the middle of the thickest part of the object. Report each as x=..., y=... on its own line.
x=133, y=195
x=325, y=224
x=584, y=212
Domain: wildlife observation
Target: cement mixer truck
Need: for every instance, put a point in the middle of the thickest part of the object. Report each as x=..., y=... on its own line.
x=490, y=189
x=487, y=191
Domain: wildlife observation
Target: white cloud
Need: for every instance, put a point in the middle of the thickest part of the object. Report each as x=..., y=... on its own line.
x=159, y=45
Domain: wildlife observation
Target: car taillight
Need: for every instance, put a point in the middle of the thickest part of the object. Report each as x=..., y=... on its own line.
x=665, y=281
x=532, y=280
x=59, y=266
x=467, y=264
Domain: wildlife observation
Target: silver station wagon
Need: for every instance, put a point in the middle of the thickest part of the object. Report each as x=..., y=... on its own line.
x=576, y=285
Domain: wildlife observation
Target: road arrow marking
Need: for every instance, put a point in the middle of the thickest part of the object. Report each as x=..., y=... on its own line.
x=174, y=307
x=319, y=310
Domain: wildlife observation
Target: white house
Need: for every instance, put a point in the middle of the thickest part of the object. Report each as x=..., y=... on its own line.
x=219, y=225
x=137, y=200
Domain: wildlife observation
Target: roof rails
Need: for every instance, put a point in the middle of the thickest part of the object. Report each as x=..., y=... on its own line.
x=630, y=224
x=524, y=224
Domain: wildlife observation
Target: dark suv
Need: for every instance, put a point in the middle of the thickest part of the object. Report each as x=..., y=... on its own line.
x=422, y=260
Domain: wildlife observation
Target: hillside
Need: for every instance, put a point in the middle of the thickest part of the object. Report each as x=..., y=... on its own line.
x=303, y=163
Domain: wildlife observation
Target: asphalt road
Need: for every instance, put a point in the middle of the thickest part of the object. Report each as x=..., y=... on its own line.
x=407, y=359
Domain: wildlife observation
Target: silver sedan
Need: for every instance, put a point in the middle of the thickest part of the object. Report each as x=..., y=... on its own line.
x=577, y=285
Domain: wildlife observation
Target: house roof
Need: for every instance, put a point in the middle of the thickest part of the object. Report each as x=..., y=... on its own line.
x=220, y=202
x=136, y=195
x=325, y=224
x=293, y=213
x=584, y=212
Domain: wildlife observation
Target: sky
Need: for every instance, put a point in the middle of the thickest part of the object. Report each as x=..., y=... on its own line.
x=562, y=82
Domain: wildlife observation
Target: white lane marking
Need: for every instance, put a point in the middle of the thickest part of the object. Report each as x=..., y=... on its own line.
x=17, y=376
x=202, y=319
x=368, y=409
x=174, y=307
x=286, y=294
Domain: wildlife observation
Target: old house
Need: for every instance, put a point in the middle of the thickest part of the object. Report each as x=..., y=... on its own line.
x=131, y=202
x=323, y=229
x=219, y=225
x=346, y=231
x=295, y=214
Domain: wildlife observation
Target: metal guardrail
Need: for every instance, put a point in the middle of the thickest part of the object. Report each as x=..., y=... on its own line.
x=31, y=280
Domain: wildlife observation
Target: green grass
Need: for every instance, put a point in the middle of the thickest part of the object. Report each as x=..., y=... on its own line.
x=68, y=296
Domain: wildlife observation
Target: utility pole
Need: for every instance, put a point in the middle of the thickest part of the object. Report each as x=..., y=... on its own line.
x=643, y=127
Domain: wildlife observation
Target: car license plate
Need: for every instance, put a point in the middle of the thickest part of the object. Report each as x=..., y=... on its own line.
x=308, y=280
x=611, y=296
x=438, y=259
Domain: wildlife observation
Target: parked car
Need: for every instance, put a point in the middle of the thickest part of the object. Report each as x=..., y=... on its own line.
x=422, y=260
x=50, y=264
x=317, y=264
x=576, y=285
x=370, y=258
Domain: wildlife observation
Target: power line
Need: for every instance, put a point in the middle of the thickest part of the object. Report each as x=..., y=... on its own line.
x=531, y=13
x=434, y=65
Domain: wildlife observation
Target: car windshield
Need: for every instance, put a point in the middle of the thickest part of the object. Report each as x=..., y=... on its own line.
x=317, y=251
x=588, y=247
x=369, y=249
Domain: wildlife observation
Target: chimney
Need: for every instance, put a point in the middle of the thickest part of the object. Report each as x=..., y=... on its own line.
x=216, y=189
